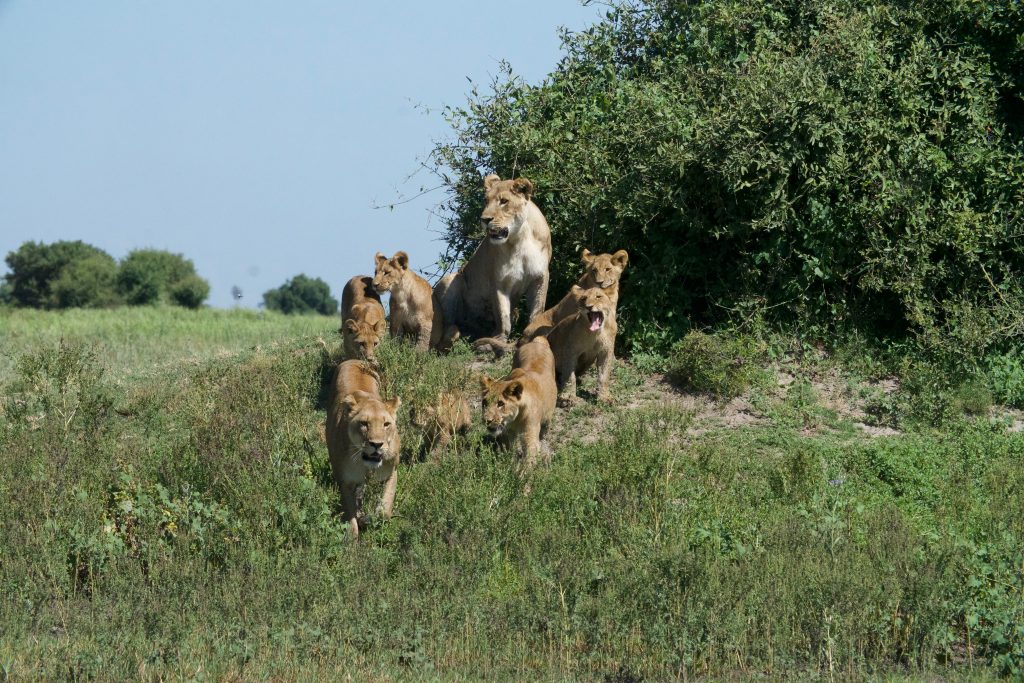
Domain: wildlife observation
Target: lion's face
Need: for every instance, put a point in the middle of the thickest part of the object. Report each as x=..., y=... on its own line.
x=364, y=337
x=450, y=413
x=372, y=427
x=595, y=304
x=389, y=271
x=501, y=401
x=505, y=209
x=604, y=270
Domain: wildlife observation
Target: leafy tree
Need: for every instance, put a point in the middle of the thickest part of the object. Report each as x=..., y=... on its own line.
x=838, y=164
x=45, y=275
x=301, y=294
x=150, y=276
x=191, y=291
x=89, y=282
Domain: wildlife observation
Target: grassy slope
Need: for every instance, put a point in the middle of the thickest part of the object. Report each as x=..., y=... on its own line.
x=180, y=524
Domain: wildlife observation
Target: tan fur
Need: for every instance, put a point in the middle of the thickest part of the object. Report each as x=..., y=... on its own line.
x=360, y=424
x=518, y=408
x=510, y=262
x=577, y=347
x=358, y=290
x=603, y=271
x=442, y=420
x=414, y=312
x=364, y=330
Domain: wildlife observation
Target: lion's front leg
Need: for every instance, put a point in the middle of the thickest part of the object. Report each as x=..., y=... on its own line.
x=387, y=498
x=502, y=315
x=605, y=362
x=350, y=507
x=537, y=296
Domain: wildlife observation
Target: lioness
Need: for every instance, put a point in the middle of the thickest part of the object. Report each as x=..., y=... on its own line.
x=603, y=271
x=362, y=439
x=363, y=331
x=518, y=408
x=586, y=336
x=511, y=261
x=442, y=420
x=414, y=312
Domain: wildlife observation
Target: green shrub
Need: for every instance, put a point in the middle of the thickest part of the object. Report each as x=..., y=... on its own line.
x=301, y=294
x=838, y=164
x=719, y=365
x=1006, y=374
x=89, y=282
x=60, y=275
x=190, y=292
x=150, y=276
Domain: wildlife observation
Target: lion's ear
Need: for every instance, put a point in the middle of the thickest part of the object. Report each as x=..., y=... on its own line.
x=380, y=327
x=350, y=326
x=523, y=187
x=587, y=257
x=401, y=259
x=490, y=179
x=393, y=405
x=514, y=390
x=620, y=258
x=485, y=382
x=351, y=402
x=577, y=291
x=379, y=258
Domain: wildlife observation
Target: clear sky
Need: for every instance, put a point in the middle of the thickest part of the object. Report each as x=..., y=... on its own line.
x=253, y=136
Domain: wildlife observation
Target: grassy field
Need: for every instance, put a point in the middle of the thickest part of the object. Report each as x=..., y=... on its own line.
x=143, y=339
x=168, y=515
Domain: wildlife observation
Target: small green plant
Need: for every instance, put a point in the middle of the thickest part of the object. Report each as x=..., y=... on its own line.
x=1006, y=376
x=715, y=364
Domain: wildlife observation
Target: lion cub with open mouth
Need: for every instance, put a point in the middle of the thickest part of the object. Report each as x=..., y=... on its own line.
x=586, y=337
x=518, y=408
x=362, y=439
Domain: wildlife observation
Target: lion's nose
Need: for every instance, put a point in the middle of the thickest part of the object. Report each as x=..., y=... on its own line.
x=376, y=445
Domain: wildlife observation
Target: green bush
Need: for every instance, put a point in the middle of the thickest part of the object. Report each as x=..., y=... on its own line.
x=60, y=275
x=150, y=276
x=301, y=294
x=845, y=165
x=190, y=292
x=89, y=282
x=719, y=365
x=1006, y=374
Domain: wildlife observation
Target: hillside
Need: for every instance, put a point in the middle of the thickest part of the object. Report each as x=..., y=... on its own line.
x=168, y=514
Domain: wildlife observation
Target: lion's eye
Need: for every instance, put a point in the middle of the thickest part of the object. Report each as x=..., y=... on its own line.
x=504, y=201
x=501, y=404
x=387, y=424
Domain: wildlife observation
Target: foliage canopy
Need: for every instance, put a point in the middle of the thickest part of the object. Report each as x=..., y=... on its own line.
x=839, y=164
x=301, y=294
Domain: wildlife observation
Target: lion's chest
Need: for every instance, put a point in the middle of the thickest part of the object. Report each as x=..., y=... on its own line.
x=526, y=261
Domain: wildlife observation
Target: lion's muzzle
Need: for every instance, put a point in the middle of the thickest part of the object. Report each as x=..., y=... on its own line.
x=596, y=320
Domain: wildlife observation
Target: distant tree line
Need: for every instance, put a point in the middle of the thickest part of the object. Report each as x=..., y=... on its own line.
x=73, y=274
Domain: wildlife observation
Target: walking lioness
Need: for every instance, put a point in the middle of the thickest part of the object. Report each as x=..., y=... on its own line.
x=510, y=262
x=362, y=439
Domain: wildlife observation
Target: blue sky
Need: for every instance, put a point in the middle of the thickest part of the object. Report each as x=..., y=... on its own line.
x=254, y=137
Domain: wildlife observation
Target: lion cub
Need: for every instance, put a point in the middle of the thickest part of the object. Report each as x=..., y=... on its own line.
x=519, y=407
x=442, y=420
x=363, y=331
x=414, y=312
x=362, y=439
x=362, y=318
x=586, y=337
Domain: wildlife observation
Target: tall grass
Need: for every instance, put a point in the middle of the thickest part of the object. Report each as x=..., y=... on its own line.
x=146, y=338
x=185, y=527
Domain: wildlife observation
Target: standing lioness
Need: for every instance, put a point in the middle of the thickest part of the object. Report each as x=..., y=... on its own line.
x=362, y=439
x=511, y=261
